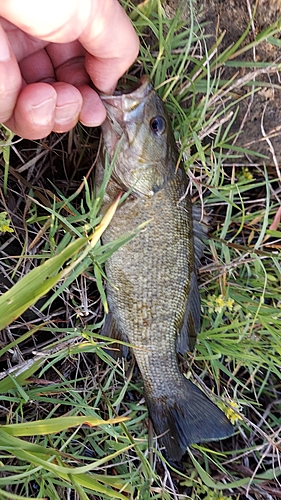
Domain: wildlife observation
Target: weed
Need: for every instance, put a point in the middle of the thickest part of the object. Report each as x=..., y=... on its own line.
x=74, y=423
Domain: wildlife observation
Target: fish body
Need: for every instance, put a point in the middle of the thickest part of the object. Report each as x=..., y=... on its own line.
x=152, y=288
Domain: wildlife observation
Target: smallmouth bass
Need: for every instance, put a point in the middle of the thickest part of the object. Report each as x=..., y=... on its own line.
x=152, y=289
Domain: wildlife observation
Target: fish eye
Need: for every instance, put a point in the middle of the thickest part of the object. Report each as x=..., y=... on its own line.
x=158, y=125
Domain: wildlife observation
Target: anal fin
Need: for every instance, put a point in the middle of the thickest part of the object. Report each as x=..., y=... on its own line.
x=111, y=330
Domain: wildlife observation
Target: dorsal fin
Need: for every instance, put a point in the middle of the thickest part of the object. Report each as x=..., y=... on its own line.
x=200, y=231
x=191, y=322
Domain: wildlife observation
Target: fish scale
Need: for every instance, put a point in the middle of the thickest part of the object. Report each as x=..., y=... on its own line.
x=143, y=265
x=152, y=288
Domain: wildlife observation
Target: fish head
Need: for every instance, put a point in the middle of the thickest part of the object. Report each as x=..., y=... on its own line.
x=137, y=133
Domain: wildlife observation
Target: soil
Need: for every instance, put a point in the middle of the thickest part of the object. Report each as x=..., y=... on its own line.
x=259, y=115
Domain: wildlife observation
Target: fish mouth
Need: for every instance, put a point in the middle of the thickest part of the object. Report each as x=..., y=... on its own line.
x=129, y=99
x=122, y=109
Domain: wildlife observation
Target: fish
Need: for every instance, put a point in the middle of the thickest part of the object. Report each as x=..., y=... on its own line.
x=152, y=290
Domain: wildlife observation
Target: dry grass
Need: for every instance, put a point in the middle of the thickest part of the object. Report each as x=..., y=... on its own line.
x=52, y=362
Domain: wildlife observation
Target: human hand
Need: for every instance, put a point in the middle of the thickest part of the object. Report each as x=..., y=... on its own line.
x=50, y=51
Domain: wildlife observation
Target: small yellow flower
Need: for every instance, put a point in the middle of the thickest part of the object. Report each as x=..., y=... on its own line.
x=220, y=303
x=232, y=412
x=5, y=223
x=229, y=304
x=245, y=174
x=4, y=228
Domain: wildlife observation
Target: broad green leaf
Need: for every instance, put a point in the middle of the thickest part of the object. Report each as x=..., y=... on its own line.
x=40, y=280
x=35, y=284
x=54, y=425
x=20, y=374
x=12, y=496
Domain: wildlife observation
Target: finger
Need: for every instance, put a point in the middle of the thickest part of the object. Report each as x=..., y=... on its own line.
x=68, y=61
x=34, y=113
x=21, y=43
x=51, y=20
x=10, y=78
x=68, y=107
x=93, y=111
x=42, y=108
x=113, y=45
x=37, y=67
x=102, y=27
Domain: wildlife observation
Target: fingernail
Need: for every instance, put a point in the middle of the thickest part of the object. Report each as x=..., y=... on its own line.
x=67, y=112
x=5, y=54
x=41, y=112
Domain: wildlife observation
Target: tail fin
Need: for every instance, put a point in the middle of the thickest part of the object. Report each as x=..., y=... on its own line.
x=186, y=417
